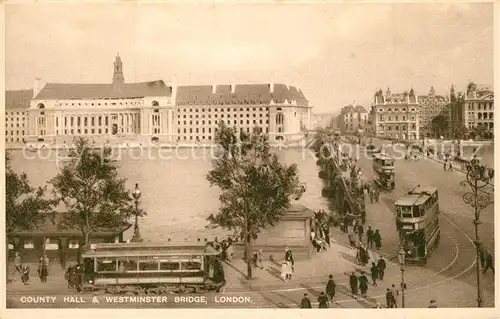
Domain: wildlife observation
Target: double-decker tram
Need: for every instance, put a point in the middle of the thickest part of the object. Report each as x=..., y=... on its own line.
x=383, y=168
x=418, y=223
x=151, y=268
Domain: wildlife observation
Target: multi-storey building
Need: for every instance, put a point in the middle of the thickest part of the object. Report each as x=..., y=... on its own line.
x=396, y=115
x=478, y=108
x=431, y=105
x=153, y=110
x=352, y=118
x=16, y=120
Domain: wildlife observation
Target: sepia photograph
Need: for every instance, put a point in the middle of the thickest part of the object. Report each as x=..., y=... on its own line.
x=217, y=155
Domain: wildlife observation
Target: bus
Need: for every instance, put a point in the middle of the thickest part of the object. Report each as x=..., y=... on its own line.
x=383, y=168
x=417, y=221
x=143, y=268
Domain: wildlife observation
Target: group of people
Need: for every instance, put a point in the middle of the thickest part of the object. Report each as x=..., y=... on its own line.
x=225, y=247
x=24, y=270
x=321, y=240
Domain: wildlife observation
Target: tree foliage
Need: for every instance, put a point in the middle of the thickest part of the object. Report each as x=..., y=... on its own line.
x=93, y=195
x=256, y=187
x=459, y=131
x=25, y=205
x=439, y=125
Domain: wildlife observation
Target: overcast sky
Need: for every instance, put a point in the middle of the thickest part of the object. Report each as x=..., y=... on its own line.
x=336, y=53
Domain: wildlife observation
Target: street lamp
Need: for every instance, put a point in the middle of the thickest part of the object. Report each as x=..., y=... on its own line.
x=401, y=257
x=476, y=178
x=136, y=194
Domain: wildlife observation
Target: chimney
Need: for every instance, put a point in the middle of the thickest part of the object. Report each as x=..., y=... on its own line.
x=271, y=87
x=233, y=88
x=214, y=88
x=37, y=86
x=174, y=88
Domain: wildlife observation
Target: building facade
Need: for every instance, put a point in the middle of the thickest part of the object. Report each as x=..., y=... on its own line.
x=154, y=111
x=395, y=116
x=478, y=108
x=352, y=118
x=430, y=106
x=17, y=104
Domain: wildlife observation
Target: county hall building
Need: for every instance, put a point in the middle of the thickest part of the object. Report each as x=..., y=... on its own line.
x=152, y=111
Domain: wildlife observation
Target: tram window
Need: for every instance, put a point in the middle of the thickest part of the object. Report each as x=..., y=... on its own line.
x=398, y=211
x=406, y=211
x=129, y=265
x=106, y=265
x=148, y=265
x=169, y=265
x=191, y=265
x=416, y=211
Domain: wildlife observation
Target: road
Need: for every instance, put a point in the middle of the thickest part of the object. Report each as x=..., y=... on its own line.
x=456, y=216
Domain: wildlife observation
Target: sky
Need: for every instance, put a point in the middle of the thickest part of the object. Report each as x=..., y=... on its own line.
x=336, y=53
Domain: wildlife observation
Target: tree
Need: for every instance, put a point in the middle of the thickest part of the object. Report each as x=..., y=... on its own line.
x=439, y=125
x=25, y=205
x=256, y=187
x=92, y=193
x=459, y=131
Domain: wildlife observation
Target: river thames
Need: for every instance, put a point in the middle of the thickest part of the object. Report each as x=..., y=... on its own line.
x=175, y=193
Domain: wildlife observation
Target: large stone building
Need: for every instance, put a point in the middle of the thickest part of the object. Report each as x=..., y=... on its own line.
x=431, y=105
x=16, y=115
x=352, y=118
x=396, y=116
x=153, y=110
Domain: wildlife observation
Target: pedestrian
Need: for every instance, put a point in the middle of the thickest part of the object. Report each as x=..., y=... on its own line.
x=352, y=240
x=360, y=232
x=353, y=282
x=372, y=195
x=291, y=262
x=305, y=303
x=432, y=304
x=377, y=239
x=363, y=254
x=445, y=164
x=323, y=300
x=381, y=265
x=389, y=298
x=395, y=292
x=25, y=277
x=488, y=263
x=374, y=273
x=260, y=257
x=284, y=271
x=331, y=287
x=230, y=250
x=326, y=231
x=363, y=284
x=369, y=237
x=450, y=166
x=377, y=195
x=17, y=263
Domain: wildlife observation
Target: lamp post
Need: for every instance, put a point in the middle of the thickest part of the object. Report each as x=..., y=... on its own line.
x=136, y=194
x=476, y=178
x=401, y=257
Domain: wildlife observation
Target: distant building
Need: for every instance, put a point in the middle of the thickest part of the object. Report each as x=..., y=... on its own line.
x=54, y=112
x=478, y=109
x=431, y=105
x=396, y=115
x=322, y=120
x=17, y=104
x=352, y=118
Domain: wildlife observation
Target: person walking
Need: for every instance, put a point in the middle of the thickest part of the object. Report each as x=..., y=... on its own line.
x=323, y=300
x=488, y=263
x=369, y=237
x=284, y=271
x=260, y=257
x=371, y=193
x=363, y=284
x=381, y=265
x=361, y=231
x=353, y=282
x=374, y=273
x=330, y=287
x=377, y=239
x=395, y=292
x=377, y=195
x=389, y=298
x=17, y=263
x=305, y=302
x=25, y=275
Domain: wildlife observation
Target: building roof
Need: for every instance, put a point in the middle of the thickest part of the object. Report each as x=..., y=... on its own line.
x=417, y=196
x=353, y=109
x=15, y=99
x=74, y=91
x=243, y=94
x=50, y=227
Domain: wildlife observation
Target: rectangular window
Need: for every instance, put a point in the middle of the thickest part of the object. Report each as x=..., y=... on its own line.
x=99, y=121
x=170, y=264
x=73, y=244
x=29, y=244
x=148, y=264
x=104, y=265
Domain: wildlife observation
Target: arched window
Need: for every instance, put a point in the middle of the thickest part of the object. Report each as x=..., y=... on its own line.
x=279, y=118
x=155, y=103
x=389, y=110
x=413, y=110
x=41, y=106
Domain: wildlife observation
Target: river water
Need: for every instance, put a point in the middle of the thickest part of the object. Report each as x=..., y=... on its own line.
x=175, y=193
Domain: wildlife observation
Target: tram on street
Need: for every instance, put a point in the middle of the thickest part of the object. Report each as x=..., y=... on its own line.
x=141, y=268
x=383, y=168
x=417, y=222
